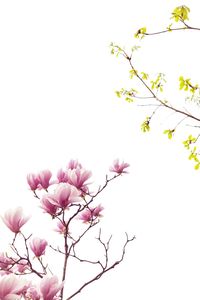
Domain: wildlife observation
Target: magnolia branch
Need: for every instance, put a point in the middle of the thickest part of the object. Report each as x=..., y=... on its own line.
x=105, y=267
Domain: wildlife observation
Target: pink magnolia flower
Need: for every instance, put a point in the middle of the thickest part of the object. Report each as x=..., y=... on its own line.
x=14, y=219
x=62, y=176
x=64, y=195
x=44, y=178
x=78, y=178
x=33, y=181
x=91, y=214
x=49, y=287
x=32, y=293
x=60, y=227
x=74, y=164
x=119, y=167
x=47, y=206
x=38, y=246
x=5, y=262
x=11, y=287
x=22, y=266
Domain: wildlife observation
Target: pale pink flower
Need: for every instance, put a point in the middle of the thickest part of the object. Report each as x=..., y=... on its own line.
x=32, y=293
x=11, y=287
x=60, y=227
x=65, y=194
x=5, y=262
x=119, y=167
x=15, y=219
x=44, y=178
x=49, y=287
x=47, y=206
x=74, y=164
x=62, y=176
x=38, y=246
x=91, y=214
x=33, y=181
x=22, y=266
x=78, y=178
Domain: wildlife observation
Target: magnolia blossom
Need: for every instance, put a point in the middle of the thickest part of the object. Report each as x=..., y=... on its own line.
x=62, y=176
x=47, y=206
x=32, y=293
x=38, y=246
x=11, y=287
x=74, y=164
x=40, y=180
x=119, y=167
x=5, y=262
x=14, y=219
x=22, y=266
x=49, y=287
x=33, y=181
x=60, y=227
x=78, y=177
x=90, y=214
x=44, y=178
x=64, y=195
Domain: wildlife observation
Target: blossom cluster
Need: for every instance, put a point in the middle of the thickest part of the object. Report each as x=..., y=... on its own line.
x=67, y=194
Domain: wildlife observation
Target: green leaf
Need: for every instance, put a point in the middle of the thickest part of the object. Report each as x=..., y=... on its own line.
x=118, y=93
x=132, y=73
x=180, y=13
x=145, y=76
x=145, y=127
x=169, y=133
x=140, y=33
x=129, y=100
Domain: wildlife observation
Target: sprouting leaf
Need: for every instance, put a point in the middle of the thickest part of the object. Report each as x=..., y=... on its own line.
x=145, y=127
x=158, y=82
x=118, y=93
x=135, y=48
x=140, y=33
x=197, y=166
x=128, y=99
x=169, y=133
x=145, y=76
x=185, y=84
x=190, y=140
x=180, y=13
x=169, y=27
x=132, y=73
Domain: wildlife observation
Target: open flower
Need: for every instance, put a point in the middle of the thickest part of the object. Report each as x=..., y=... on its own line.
x=11, y=287
x=119, y=167
x=74, y=164
x=62, y=176
x=15, y=219
x=91, y=214
x=47, y=206
x=38, y=246
x=64, y=195
x=44, y=178
x=78, y=178
x=5, y=262
x=33, y=181
x=32, y=293
x=49, y=287
x=22, y=265
x=61, y=228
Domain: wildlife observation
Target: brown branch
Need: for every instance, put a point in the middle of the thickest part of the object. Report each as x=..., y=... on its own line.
x=169, y=106
x=186, y=27
x=105, y=270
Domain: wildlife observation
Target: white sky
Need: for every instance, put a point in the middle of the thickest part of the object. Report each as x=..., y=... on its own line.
x=57, y=102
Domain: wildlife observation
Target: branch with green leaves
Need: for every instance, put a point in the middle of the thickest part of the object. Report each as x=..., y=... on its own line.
x=148, y=90
x=179, y=15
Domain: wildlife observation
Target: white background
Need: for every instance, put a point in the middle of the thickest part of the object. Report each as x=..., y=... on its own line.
x=57, y=102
